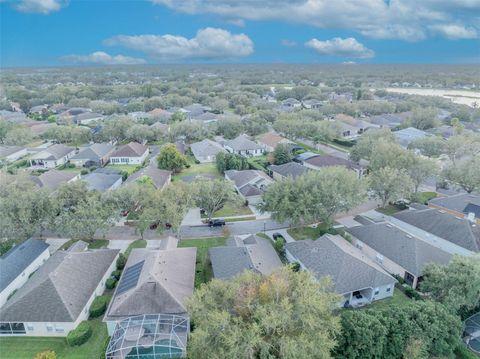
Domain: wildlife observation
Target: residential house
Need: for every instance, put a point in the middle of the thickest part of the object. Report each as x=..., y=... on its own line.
x=352, y=128
x=242, y=145
x=206, y=150
x=312, y=104
x=194, y=110
x=160, y=114
x=319, y=162
x=139, y=116
x=16, y=117
x=153, y=282
x=18, y=264
x=347, y=97
x=57, y=297
x=206, y=117
x=97, y=154
x=160, y=178
x=464, y=205
x=12, y=153
x=133, y=153
x=441, y=229
x=302, y=157
x=87, y=118
x=160, y=127
x=290, y=169
x=52, y=156
x=291, y=102
x=390, y=120
x=271, y=140
x=244, y=252
x=102, y=182
x=406, y=136
x=397, y=251
x=38, y=128
x=53, y=179
x=250, y=184
x=357, y=278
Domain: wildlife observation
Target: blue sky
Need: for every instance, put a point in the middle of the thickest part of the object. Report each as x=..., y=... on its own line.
x=102, y=32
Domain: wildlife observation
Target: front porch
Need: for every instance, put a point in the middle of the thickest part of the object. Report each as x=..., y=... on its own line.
x=358, y=298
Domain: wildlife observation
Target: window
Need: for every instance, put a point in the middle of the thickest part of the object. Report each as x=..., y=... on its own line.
x=49, y=327
x=389, y=289
x=59, y=329
x=377, y=291
x=30, y=327
x=12, y=328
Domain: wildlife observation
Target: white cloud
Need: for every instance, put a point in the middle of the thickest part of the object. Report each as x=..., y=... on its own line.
x=39, y=6
x=409, y=20
x=337, y=46
x=288, y=43
x=102, y=58
x=208, y=43
x=454, y=32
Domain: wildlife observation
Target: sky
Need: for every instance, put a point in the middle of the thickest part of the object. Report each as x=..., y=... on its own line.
x=36, y=33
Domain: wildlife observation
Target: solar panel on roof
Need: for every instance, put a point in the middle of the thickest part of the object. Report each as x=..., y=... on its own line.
x=130, y=277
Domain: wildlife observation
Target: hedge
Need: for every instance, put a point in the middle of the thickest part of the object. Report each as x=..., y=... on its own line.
x=98, y=307
x=79, y=335
x=121, y=261
x=111, y=282
x=116, y=274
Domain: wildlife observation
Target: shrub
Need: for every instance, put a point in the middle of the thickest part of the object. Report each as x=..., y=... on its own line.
x=296, y=267
x=116, y=274
x=411, y=293
x=463, y=353
x=79, y=335
x=49, y=354
x=84, y=172
x=121, y=261
x=111, y=282
x=98, y=307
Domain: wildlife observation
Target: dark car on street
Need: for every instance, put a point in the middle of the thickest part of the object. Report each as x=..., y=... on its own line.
x=216, y=223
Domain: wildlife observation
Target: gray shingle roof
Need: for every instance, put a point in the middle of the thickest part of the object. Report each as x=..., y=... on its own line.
x=408, y=251
x=159, y=177
x=164, y=283
x=132, y=149
x=456, y=230
x=9, y=150
x=246, y=252
x=53, y=178
x=241, y=178
x=329, y=161
x=333, y=256
x=94, y=152
x=17, y=259
x=60, y=289
x=243, y=143
x=305, y=156
x=458, y=202
x=54, y=152
x=292, y=169
x=206, y=148
x=408, y=135
x=100, y=182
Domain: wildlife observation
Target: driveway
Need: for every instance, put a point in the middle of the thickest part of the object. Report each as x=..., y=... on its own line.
x=55, y=243
x=121, y=244
x=283, y=232
x=192, y=218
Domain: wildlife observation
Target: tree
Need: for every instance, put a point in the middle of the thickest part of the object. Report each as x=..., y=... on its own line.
x=282, y=154
x=315, y=196
x=419, y=170
x=213, y=195
x=18, y=136
x=456, y=285
x=462, y=145
x=115, y=129
x=365, y=145
x=254, y=316
x=139, y=133
x=5, y=127
x=424, y=118
x=171, y=159
x=430, y=146
x=390, y=184
x=230, y=161
x=230, y=127
x=178, y=117
x=465, y=174
x=388, y=154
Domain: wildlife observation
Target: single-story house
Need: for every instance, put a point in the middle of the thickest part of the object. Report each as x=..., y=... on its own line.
x=319, y=162
x=12, y=153
x=160, y=178
x=441, y=229
x=347, y=97
x=356, y=277
x=53, y=179
x=133, y=153
x=17, y=117
x=352, y=128
x=291, y=102
x=97, y=154
x=242, y=145
x=102, y=182
x=312, y=104
x=57, y=297
x=160, y=127
x=250, y=184
x=206, y=117
x=464, y=205
x=139, y=115
x=244, y=252
x=206, y=150
x=397, y=251
x=52, y=156
x=271, y=140
x=153, y=282
x=302, y=157
x=390, y=120
x=290, y=169
x=194, y=110
x=18, y=264
x=86, y=118
x=406, y=136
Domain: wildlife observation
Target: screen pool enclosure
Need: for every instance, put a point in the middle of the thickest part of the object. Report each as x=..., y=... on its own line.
x=149, y=336
x=471, y=334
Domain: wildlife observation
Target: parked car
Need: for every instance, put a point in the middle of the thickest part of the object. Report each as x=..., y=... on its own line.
x=154, y=225
x=216, y=223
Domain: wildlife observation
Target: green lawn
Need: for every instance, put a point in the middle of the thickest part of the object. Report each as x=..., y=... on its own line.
x=424, y=197
x=398, y=298
x=208, y=169
x=310, y=148
x=28, y=347
x=301, y=233
x=388, y=210
x=127, y=168
x=249, y=218
x=97, y=243
x=232, y=209
x=139, y=243
x=203, y=272
x=259, y=162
